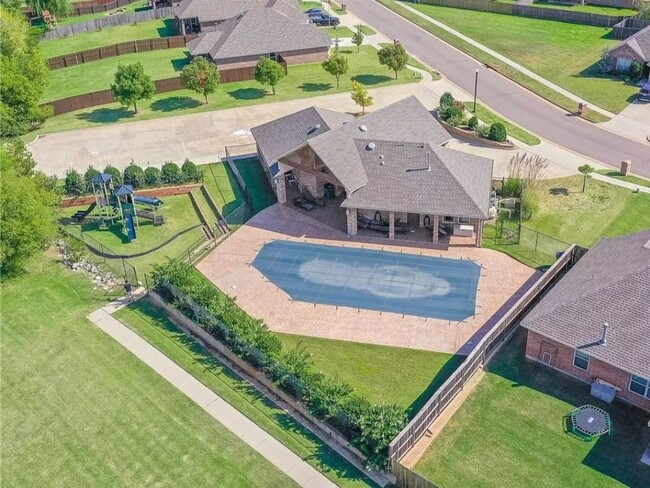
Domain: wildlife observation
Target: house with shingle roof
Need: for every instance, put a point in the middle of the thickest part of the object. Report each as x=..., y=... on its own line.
x=386, y=171
x=594, y=324
x=634, y=48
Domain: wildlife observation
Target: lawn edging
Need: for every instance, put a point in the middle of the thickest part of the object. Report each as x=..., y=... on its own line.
x=470, y=135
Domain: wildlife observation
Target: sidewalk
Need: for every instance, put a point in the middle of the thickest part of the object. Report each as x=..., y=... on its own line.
x=274, y=451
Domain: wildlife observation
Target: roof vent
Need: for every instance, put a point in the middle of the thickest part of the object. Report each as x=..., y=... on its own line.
x=363, y=128
x=603, y=340
x=647, y=245
x=381, y=159
x=313, y=129
x=371, y=146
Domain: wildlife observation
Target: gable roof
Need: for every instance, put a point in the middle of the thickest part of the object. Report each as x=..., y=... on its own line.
x=256, y=32
x=639, y=43
x=220, y=10
x=610, y=284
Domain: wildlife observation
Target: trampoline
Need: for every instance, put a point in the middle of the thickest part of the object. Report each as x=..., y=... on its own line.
x=368, y=279
x=589, y=422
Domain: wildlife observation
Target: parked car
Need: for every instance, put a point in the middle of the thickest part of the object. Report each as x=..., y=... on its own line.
x=315, y=11
x=324, y=19
x=644, y=93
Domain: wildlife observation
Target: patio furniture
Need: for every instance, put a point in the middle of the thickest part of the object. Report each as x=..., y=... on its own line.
x=303, y=203
x=461, y=230
x=363, y=221
x=311, y=198
x=291, y=179
x=589, y=422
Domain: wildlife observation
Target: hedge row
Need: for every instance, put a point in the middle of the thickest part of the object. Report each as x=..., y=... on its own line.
x=170, y=174
x=368, y=426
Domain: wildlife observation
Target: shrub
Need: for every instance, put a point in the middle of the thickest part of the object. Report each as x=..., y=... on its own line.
x=190, y=172
x=76, y=249
x=529, y=203
x=455, y=120
x=446, y=100
x=636, y=70
x=473, y=122
x=459, y=104
x=170, y=174
x=74, y=184
x=89, y=175
x=483, y=131
x=498, y=132
x=152, y=177
x=447, y=113
x=512, y=187
x=116, y=176
x=134, y=175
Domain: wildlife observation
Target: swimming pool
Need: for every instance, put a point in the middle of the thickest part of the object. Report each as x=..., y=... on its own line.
x=395, y=282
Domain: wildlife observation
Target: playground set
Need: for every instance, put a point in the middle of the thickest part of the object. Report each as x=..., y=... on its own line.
x=118, y=204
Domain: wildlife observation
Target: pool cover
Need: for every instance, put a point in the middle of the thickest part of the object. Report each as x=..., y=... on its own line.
x=377, y=280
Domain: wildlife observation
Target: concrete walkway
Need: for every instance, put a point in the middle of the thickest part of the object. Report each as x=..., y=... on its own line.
x=509, y=62
x=274, y=451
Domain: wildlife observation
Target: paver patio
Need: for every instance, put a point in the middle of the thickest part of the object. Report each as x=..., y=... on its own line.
x=229, y=268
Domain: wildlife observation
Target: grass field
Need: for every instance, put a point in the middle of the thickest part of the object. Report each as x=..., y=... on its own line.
x=98, y=75
x=563, y=53
x=303, y=81
x=105, y=37
x=417, y=64
x=636, y=180
x=510, y=433
x=155, y=328
x=257, y=183
x=589, y=9
x=79, y=410
x=132, y=7
x=341, y=32
x=489, y=117
x=223, y=187
x=382, y=374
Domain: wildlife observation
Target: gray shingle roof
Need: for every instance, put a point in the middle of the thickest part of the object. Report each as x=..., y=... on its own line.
x=256, y=32
x=419, y=178
x=611, y=283
x=639, y=43
x=220, y=10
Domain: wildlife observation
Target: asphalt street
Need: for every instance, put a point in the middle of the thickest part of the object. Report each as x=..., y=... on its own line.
x=510, y=99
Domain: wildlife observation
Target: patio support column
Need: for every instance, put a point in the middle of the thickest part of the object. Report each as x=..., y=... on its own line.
x=421, y=220
x=436, y=223
x=281, y=188
x=351, y=215
x=479, y=233
x=391, y=225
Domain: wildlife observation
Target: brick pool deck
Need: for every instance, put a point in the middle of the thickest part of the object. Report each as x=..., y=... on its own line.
x=229, y=268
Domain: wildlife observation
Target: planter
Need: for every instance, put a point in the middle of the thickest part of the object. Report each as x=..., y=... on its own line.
x=470, y=135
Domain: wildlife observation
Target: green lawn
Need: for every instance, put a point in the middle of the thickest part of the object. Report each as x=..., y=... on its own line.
x=155, y=328
x=106, y=37
x=589, y=9
x=563, y=53
x=341, y=32
x=629, y=178
x=382, y=374
x=416, y=64
x=223, y=187
x=79, y=410
x=489, y=117
x=304, y=6
x=132, y=7
x=510, y=433
x=99, y=75
x=257, y=183
x=303, y=81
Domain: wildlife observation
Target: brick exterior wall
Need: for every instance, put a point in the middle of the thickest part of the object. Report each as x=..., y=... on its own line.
x=291, y=58
x=562, y=360
x=623, y=52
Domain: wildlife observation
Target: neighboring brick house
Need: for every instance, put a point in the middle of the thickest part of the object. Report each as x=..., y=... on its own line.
x=634, y=48
x=594, y=324
x=387, y=167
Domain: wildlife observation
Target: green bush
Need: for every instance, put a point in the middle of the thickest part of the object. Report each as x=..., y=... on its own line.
x=116, y=176
x=473, y=122
x=190, y=172
x=446, y=100
x=483, y=131
x=74, y=183
x=636, y=70
x=455, y=120
x=152, y=177
x=512, y=187
x=498, y=132
x=529, y=203
x=170, y=174
x=134, y=175
x=89, y=176
x=450, y=112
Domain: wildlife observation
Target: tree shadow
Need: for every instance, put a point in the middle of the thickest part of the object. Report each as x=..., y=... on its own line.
x=559, y=191
x=371, y=79
x=171, y=104
x=143, y=9
x=247, y=93
x=106, y=115
x=315, y=87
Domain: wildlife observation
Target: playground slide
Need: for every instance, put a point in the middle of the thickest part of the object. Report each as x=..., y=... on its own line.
x=82, y=214
x=130, y=227
x=154, y=201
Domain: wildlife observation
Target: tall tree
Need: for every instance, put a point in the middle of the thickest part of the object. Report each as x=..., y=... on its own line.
x=357, y=38
x=268, y=72
x=56, y=7
x=132, y=84
x=336, y=65
x=28, y=202
x=394, y=57
x=200, y=76
x=585, y=170
x=360, y=96
x=24, y=76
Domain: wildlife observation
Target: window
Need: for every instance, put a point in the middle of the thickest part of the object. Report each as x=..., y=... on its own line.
x=623, y=64
x=274, y=57
x=640, y=386
x=581, y=360
x=448, y=219
x=463, y=220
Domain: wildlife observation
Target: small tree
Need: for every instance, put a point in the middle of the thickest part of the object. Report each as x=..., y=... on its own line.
x=360, y=96
x=134, y=176
x=190, y=171
x=446, y=100
x=170, y=173
x=132, y=84
x=116, y=176
x=635, y=71
x=200, y=76
x=152, y=176
x=74, y=183
x=473, y=122
x=89, y=176
x=268, y=72
x=604, y=64
x=498, y=132
x=585, y=170
x=394, y=57
x=336, y=66
x=357, y=38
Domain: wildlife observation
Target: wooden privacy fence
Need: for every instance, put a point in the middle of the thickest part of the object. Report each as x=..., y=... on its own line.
x=481, y=354
x=128, y=47
x=95, y=6
x=405, y=478
x=108, y=21
x=559, y=15
x=628, y=27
